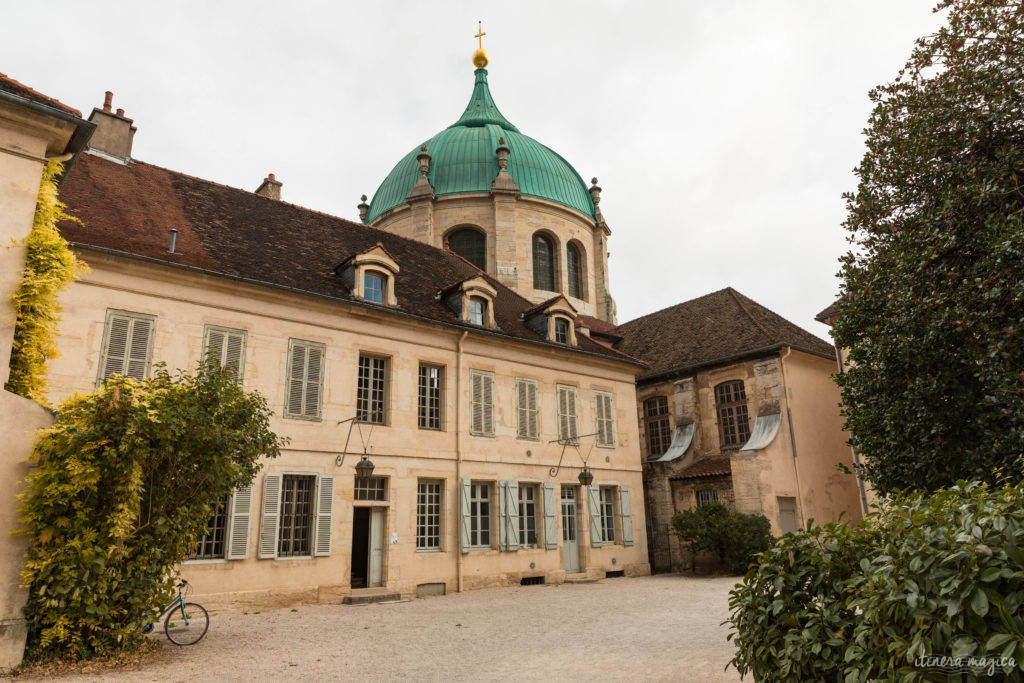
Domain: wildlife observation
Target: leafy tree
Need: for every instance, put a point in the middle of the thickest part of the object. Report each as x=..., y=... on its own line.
x=125, y=482
x=735, y=538
x=932, y=307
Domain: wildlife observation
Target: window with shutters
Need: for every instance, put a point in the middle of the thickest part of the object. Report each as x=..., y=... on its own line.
x=705, y=496
x=543, y=263
x=127, y=345
x=657, y=426
x=305, y=380
x=212, y=545
x=527, y=411
x=604, y=419
x=428, y=515
x=733, y=422
x=225, y=347
x=429, y=394
x=481, y=404
x=574, y=269
x=470, y=244
x=568, y=419
x=295, y=531
x=480, y=515
x=607, y=512
x=528, y=515
x=371, y=390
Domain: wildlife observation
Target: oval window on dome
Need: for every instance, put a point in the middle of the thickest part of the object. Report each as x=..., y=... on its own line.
x=543, y=263
x=471, y=245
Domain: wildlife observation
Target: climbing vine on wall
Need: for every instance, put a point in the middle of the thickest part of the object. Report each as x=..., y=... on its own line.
x=50, y=266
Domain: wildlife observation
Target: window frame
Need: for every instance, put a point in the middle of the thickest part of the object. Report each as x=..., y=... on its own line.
x=521, y=433
x=381, y=278
x=543, y=271
x=702, y=497
x=574, y=438
x=133, y=318
x=576, y=288
x=221, y=513
x=599, y=395
x=293, y=344
x=227, y=332
x=732, y=414
x=466, y=229
x=662, y=420
x=607, y=511
x=561, y=330
x=487, y=408
x=426, y=395
x=481, y=523
x=369, y=395
x=482, y=303
x=310, y=516
x=429, y=521
x=527, y=519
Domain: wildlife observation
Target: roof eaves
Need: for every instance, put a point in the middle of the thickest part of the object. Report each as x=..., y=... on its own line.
x=693, y=367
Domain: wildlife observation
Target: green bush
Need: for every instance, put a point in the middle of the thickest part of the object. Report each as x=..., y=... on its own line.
x=923, y=576
x=733, y=537
x=125, y=482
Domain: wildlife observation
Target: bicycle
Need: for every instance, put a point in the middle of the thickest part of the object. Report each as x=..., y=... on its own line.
x=186, y=622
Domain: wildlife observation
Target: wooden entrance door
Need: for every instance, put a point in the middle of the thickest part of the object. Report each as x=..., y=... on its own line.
x=376, y=559
x=570, y=530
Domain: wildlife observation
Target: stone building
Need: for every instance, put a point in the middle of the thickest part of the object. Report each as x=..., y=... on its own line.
x=737, y=406
x=477, y=407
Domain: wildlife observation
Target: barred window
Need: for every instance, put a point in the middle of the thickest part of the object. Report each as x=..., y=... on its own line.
x=480, y=515
x=371, y=387
x=705, y=496
x=428, y=514
x=607, y=509
x=211, y=546
x=733, y=422
x=656, y=423
x=527, y=515
x=296, y=526
x=471, y=245
x=371, y=488
x=543, y=263
x=573, y=263
x=429, y=397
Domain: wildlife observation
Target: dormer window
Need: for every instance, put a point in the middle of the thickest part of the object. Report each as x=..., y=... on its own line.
x=373, y=286
x=561, y=331
x=477, y=310
x=370, y=275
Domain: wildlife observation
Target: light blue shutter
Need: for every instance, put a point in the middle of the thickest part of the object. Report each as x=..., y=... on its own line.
x=241, y=513
x=271, y=513
x=324, y=516
x=594, y=504
x=503, y=538
x=627, y=516
x=512, y=514
x=464, y=485
x=550, y=518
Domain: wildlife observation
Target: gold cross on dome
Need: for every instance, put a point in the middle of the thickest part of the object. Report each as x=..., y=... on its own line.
x=480, y=34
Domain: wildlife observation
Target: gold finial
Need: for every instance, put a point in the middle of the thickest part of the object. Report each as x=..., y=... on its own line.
x=480, y=56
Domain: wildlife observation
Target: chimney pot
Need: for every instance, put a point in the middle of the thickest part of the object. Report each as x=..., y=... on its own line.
x=107, y=100
x=270, y=187
x=120, y=112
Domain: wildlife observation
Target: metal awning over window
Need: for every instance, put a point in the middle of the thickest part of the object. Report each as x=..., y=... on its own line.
x=681, y=440
x=765, y=429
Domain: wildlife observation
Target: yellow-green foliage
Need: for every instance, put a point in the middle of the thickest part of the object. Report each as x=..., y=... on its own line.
x=49, y=267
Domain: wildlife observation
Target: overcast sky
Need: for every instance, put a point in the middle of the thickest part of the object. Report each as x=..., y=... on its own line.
x=723, y=132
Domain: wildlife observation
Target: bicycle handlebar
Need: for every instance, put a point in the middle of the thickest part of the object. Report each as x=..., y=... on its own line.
x=182, y=584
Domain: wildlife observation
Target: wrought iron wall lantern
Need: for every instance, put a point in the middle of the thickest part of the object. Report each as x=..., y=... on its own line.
x=586, y=477
x=364, y=468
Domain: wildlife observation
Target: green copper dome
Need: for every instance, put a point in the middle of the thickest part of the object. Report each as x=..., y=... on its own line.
x=463, y=161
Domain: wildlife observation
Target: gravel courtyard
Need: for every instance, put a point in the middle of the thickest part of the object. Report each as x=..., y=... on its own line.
x=656, y=628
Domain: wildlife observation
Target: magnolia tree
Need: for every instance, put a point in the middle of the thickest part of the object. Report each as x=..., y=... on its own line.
x=932, y=305
x=123, y=487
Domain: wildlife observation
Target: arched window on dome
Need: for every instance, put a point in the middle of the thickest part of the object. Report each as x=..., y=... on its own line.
x=471, y=245
x=574, y=269
x=543, y=263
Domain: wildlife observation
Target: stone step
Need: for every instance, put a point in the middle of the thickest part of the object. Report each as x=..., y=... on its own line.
x=370, y=598
x=580, y=578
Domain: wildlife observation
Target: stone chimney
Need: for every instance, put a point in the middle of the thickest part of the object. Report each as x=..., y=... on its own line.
x=271, y=187
x=114, y=132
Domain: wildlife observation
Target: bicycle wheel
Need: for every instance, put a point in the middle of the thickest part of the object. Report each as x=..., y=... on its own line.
x=186, y=625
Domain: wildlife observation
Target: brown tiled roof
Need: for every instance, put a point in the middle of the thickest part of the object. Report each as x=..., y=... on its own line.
x=131, y=209
x=829, y=313
x=600, y=327
x=537, y=308
x=9, y=85
x=715, y=328
x=712, y=466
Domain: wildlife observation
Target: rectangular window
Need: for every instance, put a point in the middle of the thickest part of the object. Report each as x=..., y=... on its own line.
x=428, y=514
x=528, y=515
x=127, y=345
x=429, y=397
x=373, y=288
x=371, y=488
x=561, y=331
x=211, y=546
x=604, y=419
x=705, y=496
x=296, y=527
x=477, y=310
x=481, y=403
x=656, y=423
x=608, y=514
x=568, y=422
x=305, y=379
x=733, y=421
x=528, y=417
x=225, y=347
x=480, y=515
x=370, y=394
